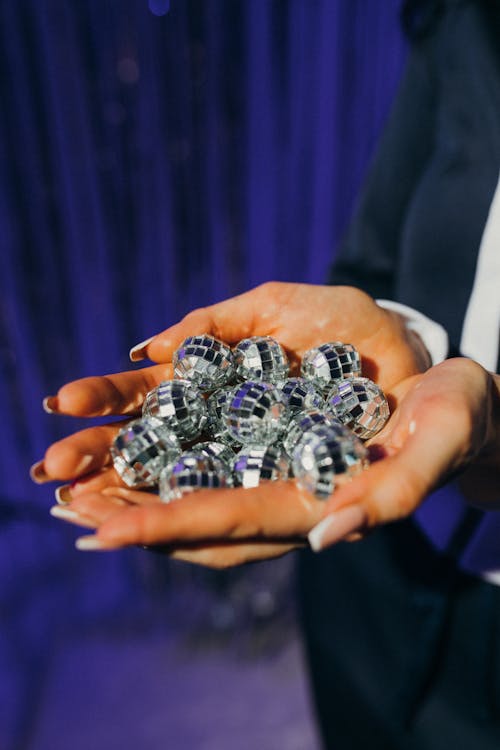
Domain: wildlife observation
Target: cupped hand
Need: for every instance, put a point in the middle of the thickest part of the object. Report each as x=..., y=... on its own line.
x=299, y=316
x=445, y=421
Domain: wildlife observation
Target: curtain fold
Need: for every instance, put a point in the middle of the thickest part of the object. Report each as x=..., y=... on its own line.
x=148, y=165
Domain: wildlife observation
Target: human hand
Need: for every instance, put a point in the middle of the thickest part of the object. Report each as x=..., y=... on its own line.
x=300, y=316
x=444, y=421
x=447, y=422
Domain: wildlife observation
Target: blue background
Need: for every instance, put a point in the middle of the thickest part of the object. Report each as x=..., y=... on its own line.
x=150, y=164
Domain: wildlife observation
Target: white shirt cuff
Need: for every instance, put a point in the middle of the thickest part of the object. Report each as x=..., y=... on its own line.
x=433, y=334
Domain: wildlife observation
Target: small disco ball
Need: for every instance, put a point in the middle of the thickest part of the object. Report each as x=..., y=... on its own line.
x=179, y=405
x=300, y=423
x=322, y=454
x=360, y=404
x=213, y=449
x=254, y=413
x=260, y=358
x=216, y=424
x=256, y=463
x=192, y=471
x=330, y=362
x=141, y=449
x=206, y=362
x=299, y=394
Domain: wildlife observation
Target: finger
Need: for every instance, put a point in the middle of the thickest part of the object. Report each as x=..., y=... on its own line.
x=97, y=507
x=120, y=393
x=281, y=511
x=100, y=481
x=80, y=454
x=228, y=555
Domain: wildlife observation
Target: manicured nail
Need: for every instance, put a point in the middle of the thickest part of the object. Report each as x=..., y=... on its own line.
x=37, y=473
x=63, y=494
x=66, y=514
x=138, y=352
x=50, y=405
x=336, y=526
x=90, y=543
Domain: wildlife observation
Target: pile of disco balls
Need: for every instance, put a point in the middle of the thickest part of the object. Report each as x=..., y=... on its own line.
x=233, y=417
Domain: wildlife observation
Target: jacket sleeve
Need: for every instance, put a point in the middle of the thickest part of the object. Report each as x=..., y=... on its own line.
x=368, y=256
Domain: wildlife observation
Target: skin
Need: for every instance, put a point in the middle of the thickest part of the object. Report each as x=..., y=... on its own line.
x=443, y=420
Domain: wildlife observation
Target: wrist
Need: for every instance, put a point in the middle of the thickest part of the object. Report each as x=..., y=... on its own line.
x=427, y=337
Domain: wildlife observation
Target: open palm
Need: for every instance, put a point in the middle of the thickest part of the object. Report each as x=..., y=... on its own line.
x=422, y=442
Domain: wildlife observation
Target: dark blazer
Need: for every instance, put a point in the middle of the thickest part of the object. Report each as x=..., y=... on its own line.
x=389, y=621
x=420, y=218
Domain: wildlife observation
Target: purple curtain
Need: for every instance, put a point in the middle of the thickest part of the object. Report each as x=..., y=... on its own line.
x=150, y=164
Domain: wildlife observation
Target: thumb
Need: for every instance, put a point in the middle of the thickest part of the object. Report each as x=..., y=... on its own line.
x=435, y=433
x=388, y=490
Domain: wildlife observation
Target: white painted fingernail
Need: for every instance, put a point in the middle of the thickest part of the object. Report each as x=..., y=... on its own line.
x=84, y=464
x=63, y=494
x=38, y=474
x=66, y=514
x=49, y=405
x=138, y=352
x=336, y=526
x=90, y=543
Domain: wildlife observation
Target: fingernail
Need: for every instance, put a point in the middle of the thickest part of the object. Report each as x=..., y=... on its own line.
x=63, y=494
x=90, y=543
x=84, y=464
x=66, y=514
x=336, y=526
x=37, y=473
x=49, y=404
x=138, y=352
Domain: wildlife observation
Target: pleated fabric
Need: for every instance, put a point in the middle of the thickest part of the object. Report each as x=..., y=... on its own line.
x=150, y=164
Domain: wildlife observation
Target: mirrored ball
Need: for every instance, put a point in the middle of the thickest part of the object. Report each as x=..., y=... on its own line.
x=328, y=363
x=141, y=449
x=214, y=449
x=216, y=423
x=261, y=358
x=192, y=471
x=180, y=405
x=322, y=454
x=205, y=361
x=360, y=404
x=254, y=413
x=299, y=394
x=257, y=463
x=300, y=423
